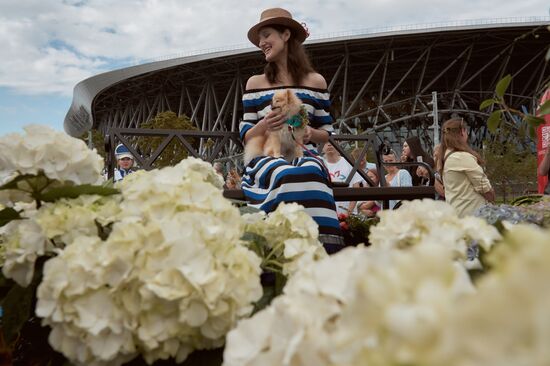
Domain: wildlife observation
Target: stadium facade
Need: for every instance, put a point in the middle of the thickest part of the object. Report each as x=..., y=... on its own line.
x=380, y=82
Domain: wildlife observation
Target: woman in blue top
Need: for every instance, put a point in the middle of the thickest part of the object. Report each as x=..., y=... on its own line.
x=269, y=181
x=396, y=177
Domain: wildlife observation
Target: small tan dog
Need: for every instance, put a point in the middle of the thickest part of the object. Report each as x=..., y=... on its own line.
x=281, y=142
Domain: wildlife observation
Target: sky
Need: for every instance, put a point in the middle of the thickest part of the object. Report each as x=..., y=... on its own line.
x=48, y=46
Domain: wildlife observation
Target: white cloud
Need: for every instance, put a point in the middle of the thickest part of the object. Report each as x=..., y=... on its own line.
x=49, y=46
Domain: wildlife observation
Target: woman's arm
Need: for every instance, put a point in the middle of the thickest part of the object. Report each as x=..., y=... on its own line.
x=315, y=135
x=439, y=188
x=475, y=174
x=490, y=196
x=272, y=121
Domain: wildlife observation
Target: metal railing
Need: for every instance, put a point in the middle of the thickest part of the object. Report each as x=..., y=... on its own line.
x=341, y=191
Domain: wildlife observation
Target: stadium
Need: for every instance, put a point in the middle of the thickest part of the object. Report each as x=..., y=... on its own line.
x=382, y=81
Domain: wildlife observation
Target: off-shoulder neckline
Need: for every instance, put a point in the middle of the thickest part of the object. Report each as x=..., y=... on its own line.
x=286, y=87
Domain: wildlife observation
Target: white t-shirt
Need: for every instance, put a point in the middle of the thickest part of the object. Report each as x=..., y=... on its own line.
x=339, y=172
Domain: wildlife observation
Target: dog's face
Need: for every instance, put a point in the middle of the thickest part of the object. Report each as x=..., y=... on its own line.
x=286, y=100
x=280, y=100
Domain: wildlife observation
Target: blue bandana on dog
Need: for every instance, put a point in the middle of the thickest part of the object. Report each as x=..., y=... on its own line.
x=298, y=120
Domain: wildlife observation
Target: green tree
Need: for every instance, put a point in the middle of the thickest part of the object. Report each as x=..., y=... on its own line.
x=508, y=164
x=174, y=151
x=98, y=141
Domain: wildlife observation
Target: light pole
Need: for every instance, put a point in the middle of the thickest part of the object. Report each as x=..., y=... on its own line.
x=435, y=118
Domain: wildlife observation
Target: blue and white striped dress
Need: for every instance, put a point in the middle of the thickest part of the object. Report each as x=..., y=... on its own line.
x=269, y=181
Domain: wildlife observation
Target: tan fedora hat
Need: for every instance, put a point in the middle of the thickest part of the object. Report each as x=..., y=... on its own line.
x=277, y=16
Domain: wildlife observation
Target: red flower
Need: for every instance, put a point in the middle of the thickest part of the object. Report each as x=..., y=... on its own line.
x=342, y=217
x=344, y=225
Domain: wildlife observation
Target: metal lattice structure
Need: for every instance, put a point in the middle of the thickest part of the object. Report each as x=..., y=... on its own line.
x=379, y=83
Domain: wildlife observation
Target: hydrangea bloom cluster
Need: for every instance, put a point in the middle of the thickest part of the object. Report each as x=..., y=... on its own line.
x=381, y=306
x=538, y=213
x=50, y=228
x=291, y=233
x=67, y=219
x=428, y=221
x=56, y=154
x=360, y=306
x=172, y=276
x=507, y=322
x=23, y=241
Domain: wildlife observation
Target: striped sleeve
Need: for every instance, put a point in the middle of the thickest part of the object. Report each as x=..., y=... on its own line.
x=250, y=116
x=256, y=104
x=317, y=103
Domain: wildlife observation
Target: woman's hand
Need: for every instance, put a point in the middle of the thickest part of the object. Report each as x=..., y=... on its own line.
x=422, y=172
x=490, y=196
x=307, y=134
x=274, y=120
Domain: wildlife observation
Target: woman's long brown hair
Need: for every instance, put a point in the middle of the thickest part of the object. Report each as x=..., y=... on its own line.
x=452, y=140
x=298, y=63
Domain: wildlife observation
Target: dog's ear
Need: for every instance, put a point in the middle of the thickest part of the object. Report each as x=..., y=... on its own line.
x=289, y=95
x=293, y=98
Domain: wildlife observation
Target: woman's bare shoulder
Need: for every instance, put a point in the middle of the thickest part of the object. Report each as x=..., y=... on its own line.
x=315, y=80
x=257, y=82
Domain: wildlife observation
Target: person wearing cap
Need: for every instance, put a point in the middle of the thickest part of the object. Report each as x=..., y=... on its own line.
x=268, y=180
x=124, y=161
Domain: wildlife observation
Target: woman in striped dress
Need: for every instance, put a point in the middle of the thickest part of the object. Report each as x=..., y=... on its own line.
x=269, y=181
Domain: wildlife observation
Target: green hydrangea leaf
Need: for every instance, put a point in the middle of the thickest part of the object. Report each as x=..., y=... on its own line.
x=54, y=194
x=13, y=184
x=248, y=210
x=544, y=108
x=8, y=214
x=487, y=103
x=502, y=85
x=494, y=120
x=17, y=308
x=533, y=121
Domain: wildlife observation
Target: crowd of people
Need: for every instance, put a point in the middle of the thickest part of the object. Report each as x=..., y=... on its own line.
x=125, y=164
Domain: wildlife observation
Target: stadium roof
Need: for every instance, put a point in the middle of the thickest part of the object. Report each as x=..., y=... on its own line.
x=99, y=93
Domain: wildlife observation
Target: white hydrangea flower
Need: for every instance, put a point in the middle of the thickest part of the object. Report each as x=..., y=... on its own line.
x=23, y=242
x=161, y=193
x=429, y=221
x=67, y=219
x=205, y=170
x=401, y=307
x=173, y=274
x=360, y=306
x=75, y=298
x=27, y=239
x=58, y=155
x=290, y=229
x=507, y=323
